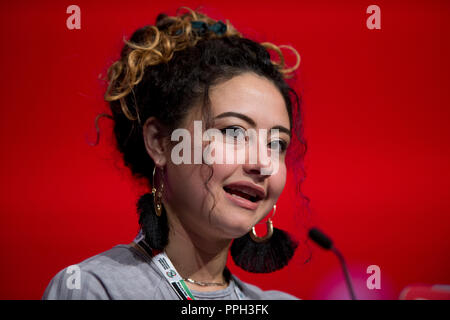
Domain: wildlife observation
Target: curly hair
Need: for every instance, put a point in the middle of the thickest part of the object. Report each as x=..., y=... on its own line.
x=167, y=68
x=153, y=45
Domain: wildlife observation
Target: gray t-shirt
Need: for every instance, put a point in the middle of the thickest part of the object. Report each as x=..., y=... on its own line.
x=124, y=273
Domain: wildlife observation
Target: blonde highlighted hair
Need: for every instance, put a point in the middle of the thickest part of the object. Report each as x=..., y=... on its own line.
x=159, y=44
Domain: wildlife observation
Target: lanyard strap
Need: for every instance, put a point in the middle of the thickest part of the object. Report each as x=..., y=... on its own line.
x=166, y=267
x=173, y=277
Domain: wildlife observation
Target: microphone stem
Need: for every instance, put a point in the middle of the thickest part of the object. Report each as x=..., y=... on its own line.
x=346, y=274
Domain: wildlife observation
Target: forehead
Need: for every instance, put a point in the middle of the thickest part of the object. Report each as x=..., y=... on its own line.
x=252, y=95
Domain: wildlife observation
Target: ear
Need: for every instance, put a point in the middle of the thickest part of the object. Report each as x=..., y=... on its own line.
x=155, y=139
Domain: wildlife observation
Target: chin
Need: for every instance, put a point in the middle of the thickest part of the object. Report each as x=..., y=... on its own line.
x=234, y=222
x=233, y=230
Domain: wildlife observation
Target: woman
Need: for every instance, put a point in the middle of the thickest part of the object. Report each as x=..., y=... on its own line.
x=189, y=73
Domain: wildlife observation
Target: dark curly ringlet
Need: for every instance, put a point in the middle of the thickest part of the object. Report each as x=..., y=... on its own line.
x=167, y=69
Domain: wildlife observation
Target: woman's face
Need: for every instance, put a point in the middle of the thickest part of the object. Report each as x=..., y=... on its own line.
x=240, y=193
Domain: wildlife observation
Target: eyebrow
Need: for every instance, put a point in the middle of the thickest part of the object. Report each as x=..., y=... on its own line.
x=250, y=121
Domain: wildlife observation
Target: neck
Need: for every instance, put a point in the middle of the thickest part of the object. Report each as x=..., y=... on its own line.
x=197, y=257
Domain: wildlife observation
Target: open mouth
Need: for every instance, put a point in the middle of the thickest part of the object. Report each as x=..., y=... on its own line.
x=246, y=192
x=240, y=194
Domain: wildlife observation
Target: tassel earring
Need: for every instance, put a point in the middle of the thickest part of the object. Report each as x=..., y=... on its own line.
x=152, y=219
x=264, y=254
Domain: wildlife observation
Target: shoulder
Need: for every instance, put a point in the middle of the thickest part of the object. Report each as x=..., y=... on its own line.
x=119, y=273
x=114, y=262
x=253, y=292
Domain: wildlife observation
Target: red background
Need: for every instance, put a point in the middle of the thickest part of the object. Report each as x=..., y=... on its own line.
x=376, y=106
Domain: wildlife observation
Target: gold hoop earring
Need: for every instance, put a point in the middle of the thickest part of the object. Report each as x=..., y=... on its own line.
x=269, y=226
x=157, y=195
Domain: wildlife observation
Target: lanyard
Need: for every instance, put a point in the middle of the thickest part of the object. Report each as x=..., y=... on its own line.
x=166, y=267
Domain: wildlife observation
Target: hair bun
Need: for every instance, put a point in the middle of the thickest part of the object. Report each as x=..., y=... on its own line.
x=163, y=21
x=161, y=16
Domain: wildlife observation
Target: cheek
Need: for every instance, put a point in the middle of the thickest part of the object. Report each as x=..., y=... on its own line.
x=223, y=159
x=187, y=184
x=222, y=152
x=277, y=182
x=184, y=182
x=220, y=174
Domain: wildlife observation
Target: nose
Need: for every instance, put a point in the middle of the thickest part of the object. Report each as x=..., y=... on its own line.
x=257, y=169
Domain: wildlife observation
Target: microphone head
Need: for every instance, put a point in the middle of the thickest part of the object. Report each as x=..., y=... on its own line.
x=320, y=238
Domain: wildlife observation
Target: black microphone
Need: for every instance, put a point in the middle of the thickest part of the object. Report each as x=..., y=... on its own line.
x=326, y=243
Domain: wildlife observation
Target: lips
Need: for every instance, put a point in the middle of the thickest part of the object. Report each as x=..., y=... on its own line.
x=245, y=194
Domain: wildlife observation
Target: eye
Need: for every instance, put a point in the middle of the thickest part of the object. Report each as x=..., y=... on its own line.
x=236, y=132
x=281, y=145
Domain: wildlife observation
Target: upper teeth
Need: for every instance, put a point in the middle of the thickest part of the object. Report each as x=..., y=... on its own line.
x=245, y=190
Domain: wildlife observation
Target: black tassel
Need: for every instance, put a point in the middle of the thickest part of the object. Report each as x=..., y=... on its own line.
x=156, y=229
x=263, y=257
